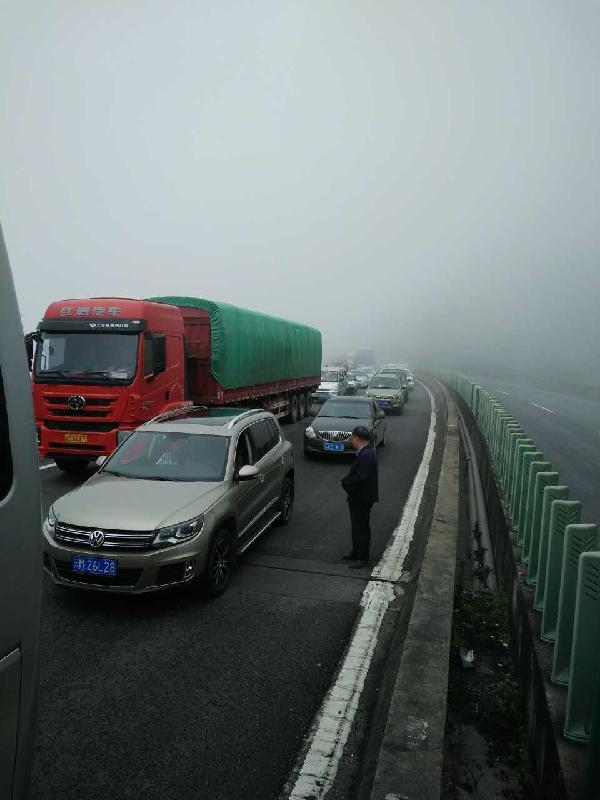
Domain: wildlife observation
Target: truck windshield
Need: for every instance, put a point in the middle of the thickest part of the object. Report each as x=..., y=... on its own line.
x=87, y=357
x=330, y=376
x=170, y=457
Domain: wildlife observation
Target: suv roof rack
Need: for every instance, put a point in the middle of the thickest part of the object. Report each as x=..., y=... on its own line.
x=176, y=412
x=248, y=413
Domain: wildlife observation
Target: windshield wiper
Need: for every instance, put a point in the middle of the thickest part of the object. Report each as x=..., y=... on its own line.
x=61, y=373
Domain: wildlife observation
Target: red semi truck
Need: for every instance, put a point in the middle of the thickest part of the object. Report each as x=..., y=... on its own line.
x=105, y=365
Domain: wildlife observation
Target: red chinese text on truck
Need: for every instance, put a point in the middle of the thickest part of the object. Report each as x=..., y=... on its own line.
x=103, y=366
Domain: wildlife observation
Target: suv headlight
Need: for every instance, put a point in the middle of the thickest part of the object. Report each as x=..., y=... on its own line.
x=51, y=519
x=175, y=534
x=310, y=433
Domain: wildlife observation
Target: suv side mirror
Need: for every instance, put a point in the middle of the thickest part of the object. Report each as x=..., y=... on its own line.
x=248, y=473
x=159, y=353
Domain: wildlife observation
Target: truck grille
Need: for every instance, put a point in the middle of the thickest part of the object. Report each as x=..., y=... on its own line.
x=95, y=407
x=121, y=540
x=67, y=425
x=335, y=436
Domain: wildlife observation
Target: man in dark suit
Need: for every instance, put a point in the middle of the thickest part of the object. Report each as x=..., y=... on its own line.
x=361, y=484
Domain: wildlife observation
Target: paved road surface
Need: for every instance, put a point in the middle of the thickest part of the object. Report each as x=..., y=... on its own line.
x=566, y=429
x=172, y=696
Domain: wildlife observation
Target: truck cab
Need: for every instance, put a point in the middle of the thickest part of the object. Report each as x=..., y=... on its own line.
x=102, y=367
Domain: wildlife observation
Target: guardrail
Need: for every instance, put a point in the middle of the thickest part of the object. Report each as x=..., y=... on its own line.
x=562, y=556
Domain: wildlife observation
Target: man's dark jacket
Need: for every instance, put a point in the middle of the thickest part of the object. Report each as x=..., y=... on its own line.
x=362, y=482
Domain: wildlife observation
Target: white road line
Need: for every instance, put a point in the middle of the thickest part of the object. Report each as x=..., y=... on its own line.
x=48, y=466
x=333, y=722
x=499, y=391
x=537, y=405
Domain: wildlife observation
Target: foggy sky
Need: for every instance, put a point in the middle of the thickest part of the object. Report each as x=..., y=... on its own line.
x=422, y=177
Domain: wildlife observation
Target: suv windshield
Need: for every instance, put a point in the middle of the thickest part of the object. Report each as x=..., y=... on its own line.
x=342, y=408
x=87, y=357
x=170, y=457
x=384, y=383
x=330, y=375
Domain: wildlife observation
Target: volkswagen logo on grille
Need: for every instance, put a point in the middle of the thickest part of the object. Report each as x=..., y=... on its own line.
x=97, y=538
x=76, y=402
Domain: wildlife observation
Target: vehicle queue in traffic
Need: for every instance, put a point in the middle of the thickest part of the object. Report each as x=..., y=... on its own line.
x=206, y=483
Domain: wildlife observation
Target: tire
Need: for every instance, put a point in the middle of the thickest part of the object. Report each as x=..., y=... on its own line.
x=74, y=466
x=308, y=455
x=293, y=412
x=401, y=409
x=383, y=441
x=301, y=406
x=286, y=502
x=219, y=564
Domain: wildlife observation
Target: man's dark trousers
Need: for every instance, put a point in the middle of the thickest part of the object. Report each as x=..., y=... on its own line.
x=361, y=484
x=360, y=519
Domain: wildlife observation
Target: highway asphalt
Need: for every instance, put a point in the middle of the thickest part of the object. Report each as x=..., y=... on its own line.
x=566, y=429
x=173, y=696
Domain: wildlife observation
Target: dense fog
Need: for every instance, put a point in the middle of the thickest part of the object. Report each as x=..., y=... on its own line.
x=419, y=177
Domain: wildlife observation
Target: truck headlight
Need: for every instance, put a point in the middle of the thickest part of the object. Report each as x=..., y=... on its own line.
x=310, y=433
x=175, y=534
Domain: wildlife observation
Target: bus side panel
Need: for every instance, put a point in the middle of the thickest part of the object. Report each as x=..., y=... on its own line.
x=20, y=541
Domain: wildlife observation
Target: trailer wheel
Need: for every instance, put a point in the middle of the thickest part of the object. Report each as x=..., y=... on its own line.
x=301, y=406
x=75, y=465
x=293, y=412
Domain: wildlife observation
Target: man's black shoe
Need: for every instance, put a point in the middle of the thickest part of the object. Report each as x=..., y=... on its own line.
x=349, y=557
x=358, y=565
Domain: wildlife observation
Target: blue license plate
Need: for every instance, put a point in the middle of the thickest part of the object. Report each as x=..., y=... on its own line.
x=384, y=403
x=92, y=565
x=336, y=447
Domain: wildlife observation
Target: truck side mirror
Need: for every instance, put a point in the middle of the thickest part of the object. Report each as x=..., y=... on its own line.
x=159, y=353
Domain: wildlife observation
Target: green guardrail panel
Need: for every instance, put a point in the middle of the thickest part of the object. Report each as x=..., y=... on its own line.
x=585, y=659
x=578, y=539
x=534, y=468
x=551, y=493
x=531, y=548
x=526, y=446
x=528, y=459
x=510, y=429
x=516, y=436
x=590, y=788
x=562, y=514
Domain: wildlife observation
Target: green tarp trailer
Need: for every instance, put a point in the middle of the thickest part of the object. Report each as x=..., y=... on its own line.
x=247, y=350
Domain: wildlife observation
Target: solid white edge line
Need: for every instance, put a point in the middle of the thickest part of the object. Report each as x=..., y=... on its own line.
x=334, y=719
x=48, y=466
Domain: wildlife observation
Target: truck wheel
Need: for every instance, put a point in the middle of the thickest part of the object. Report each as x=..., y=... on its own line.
x=286, y=502
x=293, y=412
x=75, y=466
x=219, y=564
x=301, y=406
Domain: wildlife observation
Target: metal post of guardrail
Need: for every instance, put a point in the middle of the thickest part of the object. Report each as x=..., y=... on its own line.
x=578, y=539
x=531, y=542
x=476, y=399
x=551, y=493
x=534, y=467
x=563, y=514
x=590, y=789
x=585, y=654
x=526, y=446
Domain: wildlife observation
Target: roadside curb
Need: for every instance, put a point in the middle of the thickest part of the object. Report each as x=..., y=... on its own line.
x=409, y=765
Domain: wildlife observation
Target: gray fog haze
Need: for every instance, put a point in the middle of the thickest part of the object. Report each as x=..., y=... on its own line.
x=420, y=177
